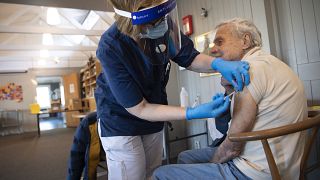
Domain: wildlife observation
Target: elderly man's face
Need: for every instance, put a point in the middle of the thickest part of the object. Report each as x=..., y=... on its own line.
x=227, y=44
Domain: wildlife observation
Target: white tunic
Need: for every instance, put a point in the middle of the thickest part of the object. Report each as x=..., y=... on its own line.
x=281, y=100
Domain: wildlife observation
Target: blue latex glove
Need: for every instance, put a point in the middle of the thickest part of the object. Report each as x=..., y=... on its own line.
x=212, y=109
x=236, y=72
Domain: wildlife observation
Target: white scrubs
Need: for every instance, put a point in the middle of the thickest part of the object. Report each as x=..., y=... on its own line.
x=132, y=157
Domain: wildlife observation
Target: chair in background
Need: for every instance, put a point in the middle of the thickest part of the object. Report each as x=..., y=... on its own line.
x=86, y=152
x=263, y=135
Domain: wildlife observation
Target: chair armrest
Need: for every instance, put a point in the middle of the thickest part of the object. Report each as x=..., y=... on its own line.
x=275, y=132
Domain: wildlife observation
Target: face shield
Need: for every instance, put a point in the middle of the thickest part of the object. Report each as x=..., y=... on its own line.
x=159, y=38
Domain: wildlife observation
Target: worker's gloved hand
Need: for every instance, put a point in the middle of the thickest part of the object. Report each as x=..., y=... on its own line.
x=212, y=109
x=236, y=72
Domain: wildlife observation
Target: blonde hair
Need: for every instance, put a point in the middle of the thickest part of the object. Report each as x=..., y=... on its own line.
x=242, y=26
x=124, y=24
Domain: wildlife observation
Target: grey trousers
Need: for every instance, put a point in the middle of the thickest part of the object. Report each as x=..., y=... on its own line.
x=195, y=165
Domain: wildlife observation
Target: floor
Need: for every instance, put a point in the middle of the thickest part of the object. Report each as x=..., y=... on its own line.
x=28, y=156
x=52, y=123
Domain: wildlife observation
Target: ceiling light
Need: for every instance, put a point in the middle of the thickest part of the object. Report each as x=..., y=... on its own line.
x=44, y=53
x=47, y=39
x=41, y=62
x=53, y=17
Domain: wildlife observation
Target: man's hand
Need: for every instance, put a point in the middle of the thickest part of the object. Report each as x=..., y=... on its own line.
x=236, y=72
x=212, y=109
x=227, y=151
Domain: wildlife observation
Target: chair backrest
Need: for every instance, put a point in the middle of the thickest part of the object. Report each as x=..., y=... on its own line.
x=307, y=149
x=263, y=135
x=85, y=151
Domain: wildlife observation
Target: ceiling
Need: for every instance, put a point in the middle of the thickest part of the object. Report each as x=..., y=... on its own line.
x=99, y=5
x=74, y=40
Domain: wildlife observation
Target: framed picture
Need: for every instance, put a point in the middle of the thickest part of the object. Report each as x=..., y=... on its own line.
x=204, y=43
x=11, y=91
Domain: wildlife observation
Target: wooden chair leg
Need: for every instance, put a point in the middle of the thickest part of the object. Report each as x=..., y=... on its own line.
x=272, y=164
x=306, y=152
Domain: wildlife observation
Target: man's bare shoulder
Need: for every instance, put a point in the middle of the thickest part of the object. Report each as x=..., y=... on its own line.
x=244, y=112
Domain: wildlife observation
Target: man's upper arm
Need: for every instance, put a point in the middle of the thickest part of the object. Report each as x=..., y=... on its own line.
x=246, y=102
x=244, y=115
x=244, y=112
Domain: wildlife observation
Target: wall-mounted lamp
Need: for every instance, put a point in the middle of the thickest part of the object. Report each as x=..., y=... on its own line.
x=204, y=12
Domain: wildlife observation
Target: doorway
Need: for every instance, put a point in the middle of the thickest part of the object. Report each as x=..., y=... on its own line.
x=50, y=96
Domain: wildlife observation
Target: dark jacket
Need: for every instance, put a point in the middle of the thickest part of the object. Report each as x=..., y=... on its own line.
x=85, y=150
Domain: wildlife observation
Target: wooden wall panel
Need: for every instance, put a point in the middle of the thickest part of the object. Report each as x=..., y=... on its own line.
x=316, y=7
x=315, y=85
x=298, y=31
x=260, y=20
x=247, y=9
x=308, y=91
x=310, y=27
x=309, y=71
x=287, y=45
x=240, y=8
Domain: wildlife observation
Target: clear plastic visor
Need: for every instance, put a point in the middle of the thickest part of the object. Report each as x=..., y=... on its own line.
x=160, y=37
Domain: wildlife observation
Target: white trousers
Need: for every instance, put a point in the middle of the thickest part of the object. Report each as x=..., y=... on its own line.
x=132, y=157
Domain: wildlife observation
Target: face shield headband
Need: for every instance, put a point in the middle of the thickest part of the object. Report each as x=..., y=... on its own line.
x=148, y=15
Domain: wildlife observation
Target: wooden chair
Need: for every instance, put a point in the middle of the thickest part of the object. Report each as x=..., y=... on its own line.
x=264, y=135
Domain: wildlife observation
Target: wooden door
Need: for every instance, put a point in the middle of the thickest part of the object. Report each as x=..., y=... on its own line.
x=71, y=91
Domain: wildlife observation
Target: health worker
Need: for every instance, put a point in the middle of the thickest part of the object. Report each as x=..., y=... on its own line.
x=136, y=54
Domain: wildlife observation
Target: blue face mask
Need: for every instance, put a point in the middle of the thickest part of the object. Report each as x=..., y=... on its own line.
x=156, y=31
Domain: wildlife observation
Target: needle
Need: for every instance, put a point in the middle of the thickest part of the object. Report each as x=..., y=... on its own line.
x=229, y=95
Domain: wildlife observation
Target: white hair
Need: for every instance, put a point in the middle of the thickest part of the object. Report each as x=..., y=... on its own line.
x=242, y=26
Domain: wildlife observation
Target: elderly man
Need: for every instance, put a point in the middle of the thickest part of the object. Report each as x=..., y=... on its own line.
x=274, y=98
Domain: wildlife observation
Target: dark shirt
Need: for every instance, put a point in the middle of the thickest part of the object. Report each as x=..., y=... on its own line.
x=128, y=77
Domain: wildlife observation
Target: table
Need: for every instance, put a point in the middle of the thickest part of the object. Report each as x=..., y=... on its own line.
x=48, y=112
x=79, y=116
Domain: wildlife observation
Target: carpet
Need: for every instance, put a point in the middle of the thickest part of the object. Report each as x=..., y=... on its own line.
x=27, y=156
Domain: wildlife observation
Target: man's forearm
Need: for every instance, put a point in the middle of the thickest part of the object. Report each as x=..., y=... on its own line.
x=244, y=115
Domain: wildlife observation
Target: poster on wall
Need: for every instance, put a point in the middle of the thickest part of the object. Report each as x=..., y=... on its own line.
x=204, y=43
x=12, y=92
x=71, y=88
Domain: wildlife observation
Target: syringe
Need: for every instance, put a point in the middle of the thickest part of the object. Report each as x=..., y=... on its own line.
x=229, y=95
